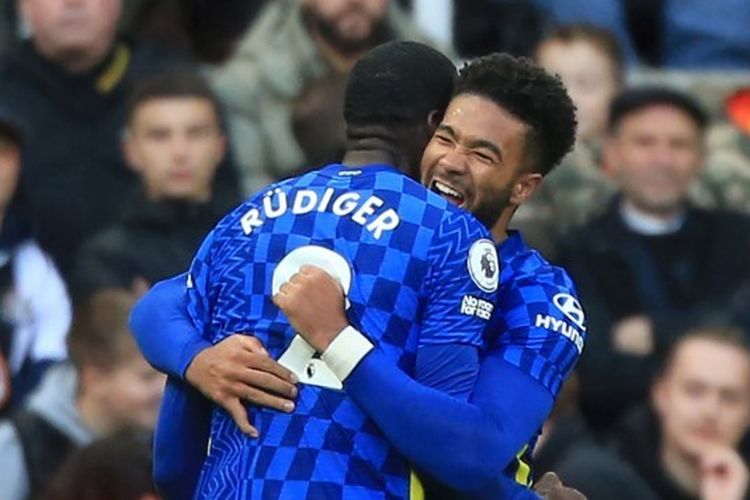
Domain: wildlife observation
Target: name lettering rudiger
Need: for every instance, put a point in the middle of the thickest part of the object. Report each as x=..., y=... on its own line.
x=367, y=212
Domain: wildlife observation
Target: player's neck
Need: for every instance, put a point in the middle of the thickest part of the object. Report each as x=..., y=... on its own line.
x=682, y=470
x=371, y=151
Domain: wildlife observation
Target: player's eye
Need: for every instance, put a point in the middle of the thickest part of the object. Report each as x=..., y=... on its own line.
x=443, y=139
x=484, y=158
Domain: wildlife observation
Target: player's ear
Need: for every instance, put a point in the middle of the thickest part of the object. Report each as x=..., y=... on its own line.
x=433, y=120
x=525, y=187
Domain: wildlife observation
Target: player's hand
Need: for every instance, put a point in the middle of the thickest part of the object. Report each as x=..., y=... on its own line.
x=634, y=335
x=551, y=488
x=314, y=303
x=239, y=368
x=724, y=475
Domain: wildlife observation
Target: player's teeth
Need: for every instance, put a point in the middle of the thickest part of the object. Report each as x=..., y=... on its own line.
x=447, y=190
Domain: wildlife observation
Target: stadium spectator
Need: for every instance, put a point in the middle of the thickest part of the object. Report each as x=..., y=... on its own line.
x=695, y=35
x=35, y=312
x=108, y=387
x=175, y=142
x=568, y=446
x=685, y=444
x=70, y=84
x=284, y=86
x=653, y=264
x=117, y=467
x=590, y=63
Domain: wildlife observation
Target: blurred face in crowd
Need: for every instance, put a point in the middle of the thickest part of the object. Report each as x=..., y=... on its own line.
x=349, y=25
x=65, y=30
x=475, y=158
x=176, y=144
x=10, y=164
x=655, y=153
x=127, y=394
x=590, y=77
x=703, y=398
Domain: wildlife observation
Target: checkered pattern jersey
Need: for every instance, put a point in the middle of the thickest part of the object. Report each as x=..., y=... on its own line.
x=531, y=329
x=407, y=284
x=531, y=291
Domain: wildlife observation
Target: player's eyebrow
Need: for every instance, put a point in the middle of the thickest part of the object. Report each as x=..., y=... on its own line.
x=483, y=143
x=474, y=143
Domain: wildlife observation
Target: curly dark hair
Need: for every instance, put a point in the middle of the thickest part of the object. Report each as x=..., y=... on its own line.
x=533, y=96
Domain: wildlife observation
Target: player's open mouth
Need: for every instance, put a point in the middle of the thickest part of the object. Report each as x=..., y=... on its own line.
x=448, y=193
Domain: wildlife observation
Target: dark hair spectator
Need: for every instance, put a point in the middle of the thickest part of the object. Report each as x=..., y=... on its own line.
x=279, y=100
x=69, y=83
x=653, y=264
x=110, y=387
x=117, y=467
x=174, y=141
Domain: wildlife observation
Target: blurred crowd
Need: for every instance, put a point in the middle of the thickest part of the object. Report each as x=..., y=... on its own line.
x=128, y=128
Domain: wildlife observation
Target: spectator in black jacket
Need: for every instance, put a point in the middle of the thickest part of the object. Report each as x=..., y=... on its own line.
x=652, y=265
x=686, y=444
x=70, y=83
x=175, y=142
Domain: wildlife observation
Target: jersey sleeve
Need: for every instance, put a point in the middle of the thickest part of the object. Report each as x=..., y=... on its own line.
x=460, y=286
x=197, y=286
x=541, y=329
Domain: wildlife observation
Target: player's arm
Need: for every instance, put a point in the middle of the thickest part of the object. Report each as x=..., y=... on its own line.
x=465, y=445
x=237, y=368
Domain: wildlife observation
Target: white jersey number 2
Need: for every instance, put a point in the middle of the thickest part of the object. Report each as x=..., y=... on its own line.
x=299, y=357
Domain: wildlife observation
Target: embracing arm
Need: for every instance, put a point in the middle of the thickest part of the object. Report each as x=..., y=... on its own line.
x=163, y=330
x=465, y=445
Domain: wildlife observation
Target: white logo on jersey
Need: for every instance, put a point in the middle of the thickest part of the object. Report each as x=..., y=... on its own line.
x=560, y=326
x=571, y=308
x=483, y=265
x=350, y=173
x=474, y=306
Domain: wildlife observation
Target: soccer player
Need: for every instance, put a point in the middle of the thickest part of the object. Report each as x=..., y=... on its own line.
x=498, y=138
x=538, y=332
x=408, y=259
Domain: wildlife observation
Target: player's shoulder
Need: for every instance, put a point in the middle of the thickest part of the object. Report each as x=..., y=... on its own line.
x=524, y=267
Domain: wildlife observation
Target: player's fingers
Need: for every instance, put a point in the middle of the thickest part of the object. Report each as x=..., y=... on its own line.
x=268, y=382
x=547, y=482
x=253, y=345
x=310, y=270
x=271, y=366
x=239, y=415
x=262, y=398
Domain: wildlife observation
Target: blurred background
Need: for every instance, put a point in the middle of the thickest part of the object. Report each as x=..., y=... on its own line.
x=129, y=127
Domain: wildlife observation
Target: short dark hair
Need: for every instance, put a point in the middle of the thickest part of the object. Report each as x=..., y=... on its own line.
x=398, y=82
x=171, y=84
x=535, y=97
x=639, y=98
x=100, y=335
x=116, y=467
x=601, y=38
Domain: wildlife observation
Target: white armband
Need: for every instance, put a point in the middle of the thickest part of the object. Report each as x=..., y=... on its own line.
x=346, y=351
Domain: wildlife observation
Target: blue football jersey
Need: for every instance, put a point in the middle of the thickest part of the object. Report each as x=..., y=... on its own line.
x=539, y=325
x=416, y=270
